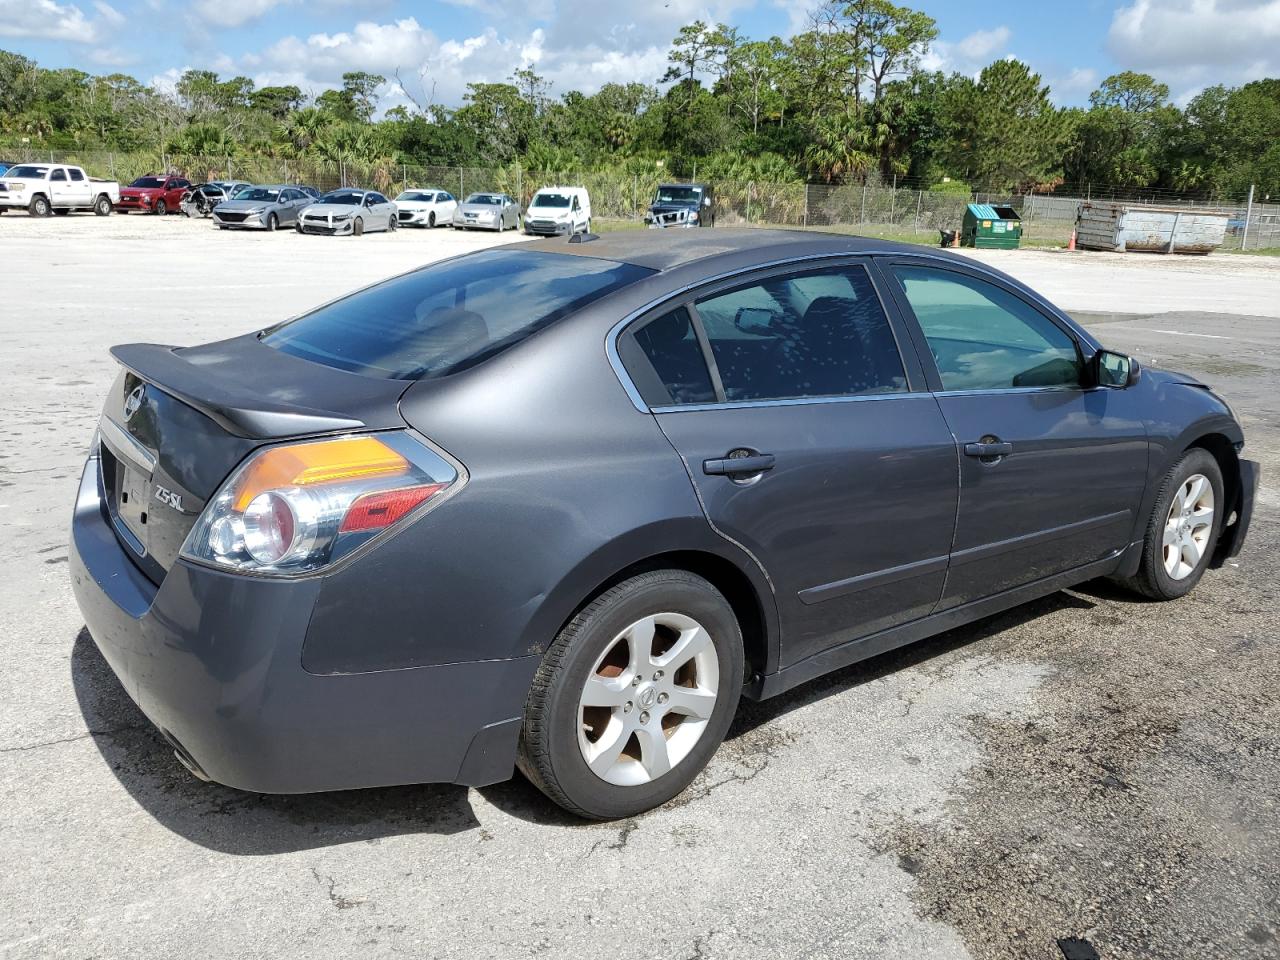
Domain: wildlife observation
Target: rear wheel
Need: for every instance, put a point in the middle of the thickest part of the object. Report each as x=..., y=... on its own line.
x=634, y=696
x=39, y=207
x=1183, y=528
x=102, y=206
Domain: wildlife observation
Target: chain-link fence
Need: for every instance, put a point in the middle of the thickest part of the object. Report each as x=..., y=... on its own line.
x=892, y=210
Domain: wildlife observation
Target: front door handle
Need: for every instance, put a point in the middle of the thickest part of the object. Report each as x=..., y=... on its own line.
x=988, y=447
x=734, y=465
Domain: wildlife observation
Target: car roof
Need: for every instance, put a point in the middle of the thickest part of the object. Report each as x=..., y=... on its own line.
x=667, y=249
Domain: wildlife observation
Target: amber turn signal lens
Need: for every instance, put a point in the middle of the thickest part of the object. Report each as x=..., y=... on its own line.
x=309, y=464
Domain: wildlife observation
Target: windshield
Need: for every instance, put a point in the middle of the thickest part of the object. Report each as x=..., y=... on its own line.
x=484, y=198
x=346, y=197
x=415, y=196
x=673, y=194
x=550, y=200
x=452, y=315
x=30, y=173
x=258, y=193
x=148, y=182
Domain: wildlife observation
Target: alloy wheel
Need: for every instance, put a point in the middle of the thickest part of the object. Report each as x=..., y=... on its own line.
x=1188, y=526
x=648, y=698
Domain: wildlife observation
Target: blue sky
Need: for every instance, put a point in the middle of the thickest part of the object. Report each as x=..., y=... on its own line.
x=580, y=44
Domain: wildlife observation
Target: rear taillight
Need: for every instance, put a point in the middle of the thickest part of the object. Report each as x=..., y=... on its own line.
x=298, y=507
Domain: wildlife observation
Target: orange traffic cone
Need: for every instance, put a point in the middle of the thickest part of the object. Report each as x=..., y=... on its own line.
x=1071, y=244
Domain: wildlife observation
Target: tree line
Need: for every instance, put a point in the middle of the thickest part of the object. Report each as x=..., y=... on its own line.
x=846, y=98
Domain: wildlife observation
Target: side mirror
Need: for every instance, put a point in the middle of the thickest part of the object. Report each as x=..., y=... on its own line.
x=1115, y=370
x=756, y=321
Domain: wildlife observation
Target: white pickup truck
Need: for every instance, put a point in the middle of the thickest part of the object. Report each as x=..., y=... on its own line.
x=47, y=188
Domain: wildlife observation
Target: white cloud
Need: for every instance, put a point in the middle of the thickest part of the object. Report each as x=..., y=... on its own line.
x=441, y=69
x=798, y=15
x=983, y=43
x=1189, y=43
x=233, y=13
x=970, y=53
x=50, y=20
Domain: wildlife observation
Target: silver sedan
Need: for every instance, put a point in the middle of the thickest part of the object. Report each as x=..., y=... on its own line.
x=348, y=211
x=487, y=211
x=261, y=208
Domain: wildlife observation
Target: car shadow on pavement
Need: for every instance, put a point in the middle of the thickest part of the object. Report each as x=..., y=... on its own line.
x=232, y=821
x=752, y=713
x=250, y=824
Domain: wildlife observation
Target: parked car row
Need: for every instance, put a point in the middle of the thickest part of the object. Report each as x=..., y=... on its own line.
x=234, y=204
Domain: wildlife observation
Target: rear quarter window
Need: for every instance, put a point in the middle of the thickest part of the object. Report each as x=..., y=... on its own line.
x=452, y=315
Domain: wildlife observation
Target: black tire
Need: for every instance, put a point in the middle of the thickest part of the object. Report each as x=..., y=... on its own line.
x=431, y=219
x=549, y=754
x=40, y=207
x=102, y=206
x=161, y=208
x=272, y=222
x=1152, y=579
x=392, y=223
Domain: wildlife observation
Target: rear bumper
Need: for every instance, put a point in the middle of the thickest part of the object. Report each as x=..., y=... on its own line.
x=215, y=662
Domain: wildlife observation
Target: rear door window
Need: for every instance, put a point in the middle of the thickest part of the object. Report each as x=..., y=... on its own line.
x=449, y=316
x=814, y=334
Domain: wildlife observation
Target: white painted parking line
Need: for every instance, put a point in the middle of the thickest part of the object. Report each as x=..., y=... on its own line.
x=1179, y=333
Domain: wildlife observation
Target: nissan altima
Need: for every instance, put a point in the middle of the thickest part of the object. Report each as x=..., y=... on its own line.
x=557, y=507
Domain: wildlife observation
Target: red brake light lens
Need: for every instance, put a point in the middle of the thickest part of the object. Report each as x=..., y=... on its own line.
x=373, y=511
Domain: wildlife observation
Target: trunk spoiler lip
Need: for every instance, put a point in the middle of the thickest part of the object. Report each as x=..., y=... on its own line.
x=260, y=419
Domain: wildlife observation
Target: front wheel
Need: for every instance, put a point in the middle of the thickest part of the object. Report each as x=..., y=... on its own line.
x=431, y=219
x=634, y=696
x=357, y=228
x=1183, y=528
x=391, y=223
x=272, y=222
x=39, y=207
x=161, y=209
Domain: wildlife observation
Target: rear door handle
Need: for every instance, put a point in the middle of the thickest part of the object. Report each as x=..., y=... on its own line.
x=731, y=466
x=988, y=448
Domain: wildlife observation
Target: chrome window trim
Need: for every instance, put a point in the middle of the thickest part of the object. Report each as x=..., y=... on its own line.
x=611, y=338
x=790, y=402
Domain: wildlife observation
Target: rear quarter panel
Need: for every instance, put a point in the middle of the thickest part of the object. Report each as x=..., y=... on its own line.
x=568, y=484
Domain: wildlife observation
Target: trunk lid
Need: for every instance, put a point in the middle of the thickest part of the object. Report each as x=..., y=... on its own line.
x=177, y=421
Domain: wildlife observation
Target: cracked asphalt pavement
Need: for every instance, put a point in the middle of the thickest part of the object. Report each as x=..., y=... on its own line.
x=1086, y=766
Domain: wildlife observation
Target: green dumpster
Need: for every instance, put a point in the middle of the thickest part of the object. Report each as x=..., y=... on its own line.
x=991, y=226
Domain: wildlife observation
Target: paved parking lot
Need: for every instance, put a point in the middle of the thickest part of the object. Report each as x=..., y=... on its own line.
x=1087, y=765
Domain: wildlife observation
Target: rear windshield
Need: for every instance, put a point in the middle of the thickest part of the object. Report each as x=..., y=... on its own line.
x=452, y=315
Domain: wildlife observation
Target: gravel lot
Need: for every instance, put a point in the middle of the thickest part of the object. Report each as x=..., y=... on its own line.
x=1085, y=766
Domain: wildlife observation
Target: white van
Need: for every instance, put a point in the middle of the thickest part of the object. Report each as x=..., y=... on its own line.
x=558, y=210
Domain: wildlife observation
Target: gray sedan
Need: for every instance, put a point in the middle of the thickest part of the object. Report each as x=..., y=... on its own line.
x=348, y=212
x=487, y=211
x=261, y=208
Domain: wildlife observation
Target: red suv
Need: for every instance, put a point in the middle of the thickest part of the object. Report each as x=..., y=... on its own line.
x=154, y=193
